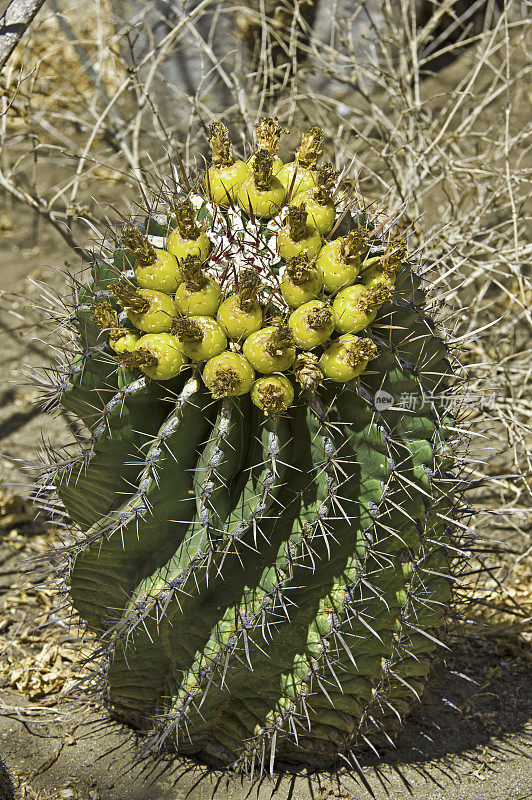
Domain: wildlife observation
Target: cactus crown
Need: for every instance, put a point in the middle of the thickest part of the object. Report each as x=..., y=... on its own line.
x=268, y=134
x=139, y=245
x=185, y=216
x=310, y=149
x=262, y=170
x=221, y=152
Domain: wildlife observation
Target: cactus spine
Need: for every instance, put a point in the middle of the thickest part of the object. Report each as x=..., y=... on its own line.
x=264, y=548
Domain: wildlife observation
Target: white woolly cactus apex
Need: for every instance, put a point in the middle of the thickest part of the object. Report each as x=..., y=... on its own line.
x=263, y=547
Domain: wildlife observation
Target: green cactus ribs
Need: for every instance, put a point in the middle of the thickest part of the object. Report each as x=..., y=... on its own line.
x=264, y=548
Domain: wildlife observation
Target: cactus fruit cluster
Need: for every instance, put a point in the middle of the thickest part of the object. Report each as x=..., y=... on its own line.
x=263, y=505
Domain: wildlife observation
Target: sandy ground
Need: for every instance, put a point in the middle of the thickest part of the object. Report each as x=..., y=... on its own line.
x=467, y=741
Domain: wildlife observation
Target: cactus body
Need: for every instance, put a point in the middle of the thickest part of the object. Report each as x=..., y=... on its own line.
x=268, y=577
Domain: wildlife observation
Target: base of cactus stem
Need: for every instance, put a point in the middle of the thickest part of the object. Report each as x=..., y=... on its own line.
x=127, y=716
x=215, y=755
x=310, y=753
x=209, y=751
x=314, y=755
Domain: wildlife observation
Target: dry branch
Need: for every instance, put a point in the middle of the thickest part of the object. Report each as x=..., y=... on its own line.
x=14, y=23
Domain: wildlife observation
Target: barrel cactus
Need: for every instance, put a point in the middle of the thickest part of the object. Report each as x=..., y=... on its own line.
x=264, y=504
